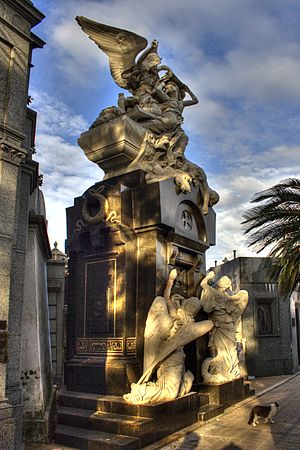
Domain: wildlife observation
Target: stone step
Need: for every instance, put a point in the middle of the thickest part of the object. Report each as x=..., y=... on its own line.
x=248, y=392
x=105, y=421
x=95, y=409
x=203, y=399
x=84, y=400
x=84, y=439
x=116, y=404
x=210, y=411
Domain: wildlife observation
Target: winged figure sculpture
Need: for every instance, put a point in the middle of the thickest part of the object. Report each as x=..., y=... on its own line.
x=122, y=48
x=156, y=102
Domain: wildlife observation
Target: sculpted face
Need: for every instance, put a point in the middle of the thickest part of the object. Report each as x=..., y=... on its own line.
x=191, y=306
x=182, y=180
x=224, y=283
x=152, y=60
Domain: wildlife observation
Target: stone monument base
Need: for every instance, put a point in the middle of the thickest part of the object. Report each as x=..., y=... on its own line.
x=39, y=427
x=98, y=422
x=226, y=394
x=108, y=376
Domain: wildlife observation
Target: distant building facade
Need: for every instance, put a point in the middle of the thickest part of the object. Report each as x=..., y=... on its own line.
x=268, y=335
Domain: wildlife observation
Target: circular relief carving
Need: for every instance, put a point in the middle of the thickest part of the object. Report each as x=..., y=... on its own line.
x=187, y=220
x=94, y=207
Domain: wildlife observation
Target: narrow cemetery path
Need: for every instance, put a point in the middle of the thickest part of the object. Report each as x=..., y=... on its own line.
x=232, y=432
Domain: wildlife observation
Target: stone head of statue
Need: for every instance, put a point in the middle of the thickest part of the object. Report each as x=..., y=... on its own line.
x=191, y=306
x=224, y=283
x=183, y=181
x=152, y=60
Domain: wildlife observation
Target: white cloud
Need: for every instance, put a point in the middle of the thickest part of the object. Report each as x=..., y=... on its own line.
x=67, y=172
x=55, y=118
x=270, y=75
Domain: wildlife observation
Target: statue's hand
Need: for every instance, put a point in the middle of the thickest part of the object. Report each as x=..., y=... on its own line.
x=154, y=44
x=173, y=275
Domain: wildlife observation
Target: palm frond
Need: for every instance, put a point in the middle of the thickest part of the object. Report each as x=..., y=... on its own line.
x=277, y=222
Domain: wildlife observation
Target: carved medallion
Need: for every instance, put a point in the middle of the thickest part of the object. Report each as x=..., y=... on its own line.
x=187, y=220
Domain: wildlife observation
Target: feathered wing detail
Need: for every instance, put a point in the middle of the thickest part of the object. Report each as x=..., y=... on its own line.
x=121, y=46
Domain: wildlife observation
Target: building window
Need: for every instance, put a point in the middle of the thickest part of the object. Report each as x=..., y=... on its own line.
x=267, y=321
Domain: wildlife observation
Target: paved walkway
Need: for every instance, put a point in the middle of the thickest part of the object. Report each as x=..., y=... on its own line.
x=231, y=430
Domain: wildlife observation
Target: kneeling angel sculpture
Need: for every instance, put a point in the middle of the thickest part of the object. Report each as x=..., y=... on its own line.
x=170, y=325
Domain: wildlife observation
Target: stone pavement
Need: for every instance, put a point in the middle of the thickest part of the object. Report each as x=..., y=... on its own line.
x=232, y=432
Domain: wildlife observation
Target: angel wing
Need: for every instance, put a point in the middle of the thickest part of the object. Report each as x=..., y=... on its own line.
x=186, y=334
x=121, y=46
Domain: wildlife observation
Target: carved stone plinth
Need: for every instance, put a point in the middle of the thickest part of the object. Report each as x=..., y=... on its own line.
x=225, y=394
x=113, y=145
x=124, y=237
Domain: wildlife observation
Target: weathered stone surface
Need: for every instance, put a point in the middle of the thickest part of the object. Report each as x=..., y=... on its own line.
x=56, y=272
x=114, y=145
x=226, y=394
x=16, y=183
x=111, y=414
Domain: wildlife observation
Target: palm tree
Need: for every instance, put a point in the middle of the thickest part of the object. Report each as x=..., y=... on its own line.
x=277, y=222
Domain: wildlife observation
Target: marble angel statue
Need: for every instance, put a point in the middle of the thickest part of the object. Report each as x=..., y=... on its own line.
x=156, y=103
x=170, y=325
x=152, y=95
x=224, y=311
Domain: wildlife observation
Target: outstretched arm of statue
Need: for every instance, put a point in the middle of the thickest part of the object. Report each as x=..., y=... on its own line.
x=167, y=293
x=193, y=101
x=241, y=297
x=204, y=283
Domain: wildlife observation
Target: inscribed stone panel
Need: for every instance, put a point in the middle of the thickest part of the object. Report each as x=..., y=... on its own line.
x=99, y=297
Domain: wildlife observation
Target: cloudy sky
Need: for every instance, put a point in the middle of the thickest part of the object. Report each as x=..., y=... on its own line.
x=240, y=57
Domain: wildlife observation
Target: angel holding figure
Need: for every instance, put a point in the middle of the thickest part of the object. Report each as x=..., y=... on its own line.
x=156, y=104
x=170, y=325
x=141, y=78
x=224, y=310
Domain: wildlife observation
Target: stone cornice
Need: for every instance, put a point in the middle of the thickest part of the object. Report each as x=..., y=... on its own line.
x=34, y=40
x=27, y=10
x=38, y=223
x=32, y=168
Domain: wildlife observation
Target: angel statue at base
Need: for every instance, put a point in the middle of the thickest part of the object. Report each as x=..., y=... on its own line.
x=170, y=325
x=224, y=310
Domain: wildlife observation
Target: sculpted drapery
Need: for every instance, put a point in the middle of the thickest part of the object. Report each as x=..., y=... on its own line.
x=224, y=310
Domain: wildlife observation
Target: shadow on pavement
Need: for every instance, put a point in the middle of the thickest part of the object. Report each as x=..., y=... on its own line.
x=191, y=442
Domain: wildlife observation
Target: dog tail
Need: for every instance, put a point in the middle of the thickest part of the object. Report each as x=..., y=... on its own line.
x=251, y=418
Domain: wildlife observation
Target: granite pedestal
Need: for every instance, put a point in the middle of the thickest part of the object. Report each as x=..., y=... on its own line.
x=118, y=263
x=226, y=394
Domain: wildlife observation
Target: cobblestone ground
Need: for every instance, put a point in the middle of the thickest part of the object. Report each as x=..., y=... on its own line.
x=232, y=432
